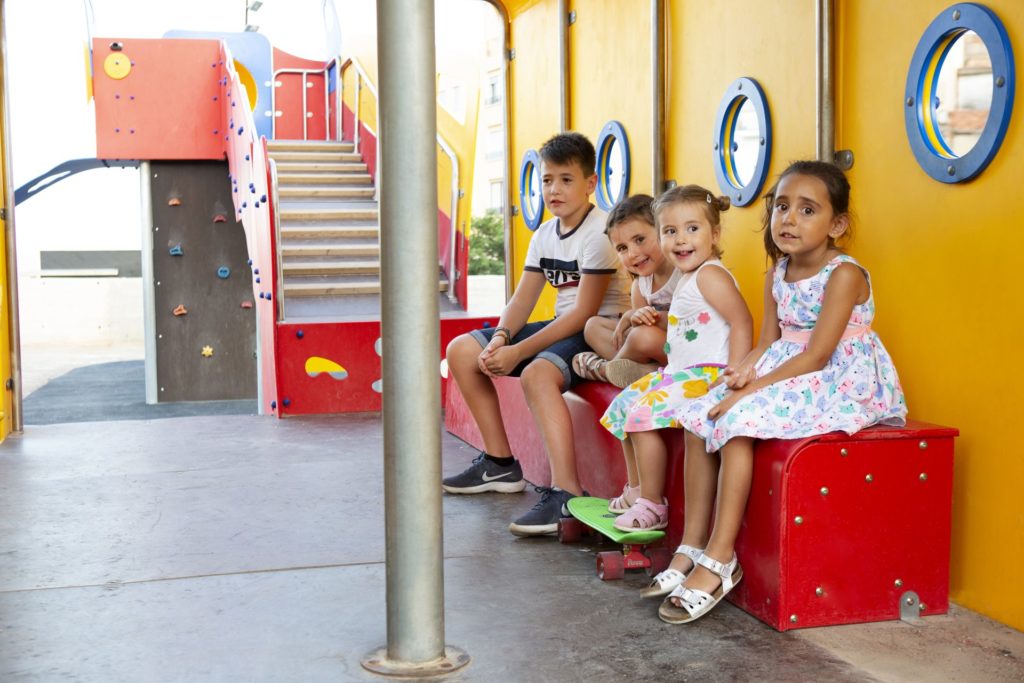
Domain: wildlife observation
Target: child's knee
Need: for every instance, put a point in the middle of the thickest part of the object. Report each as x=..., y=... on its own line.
x=463, y=348
x=647, y=338
x=592, y=330
x=540, y=376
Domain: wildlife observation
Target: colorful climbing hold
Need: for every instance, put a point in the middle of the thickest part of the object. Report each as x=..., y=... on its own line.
x=263, y=198
x=273, y=405
x=315, y=365
x=174, y=201
x=246, y=304
x=207, y=351
x=257, y=280
x=175, y=250
x=286, y=402
x=223, y=272
x=300, y=334
x=180, y=310
x=255, y=271
x=220, y=218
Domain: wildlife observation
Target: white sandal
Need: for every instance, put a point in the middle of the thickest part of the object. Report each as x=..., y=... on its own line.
x=667, y=581
x=696, y=603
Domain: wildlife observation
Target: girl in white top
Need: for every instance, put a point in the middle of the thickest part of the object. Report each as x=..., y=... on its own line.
x=709, y=327
x=632, y=346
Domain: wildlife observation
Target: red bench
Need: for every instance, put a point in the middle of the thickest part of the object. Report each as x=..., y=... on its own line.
x=838, y=529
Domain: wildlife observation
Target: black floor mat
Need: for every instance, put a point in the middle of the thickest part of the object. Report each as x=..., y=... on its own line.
x=113, y=391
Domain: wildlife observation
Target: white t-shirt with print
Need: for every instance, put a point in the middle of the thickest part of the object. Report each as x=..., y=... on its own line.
x=585, y=250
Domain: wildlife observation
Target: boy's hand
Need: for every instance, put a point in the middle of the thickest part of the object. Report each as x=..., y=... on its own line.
x=619, y=335
x=645, y=316
x=502, y=361
x=497, y=342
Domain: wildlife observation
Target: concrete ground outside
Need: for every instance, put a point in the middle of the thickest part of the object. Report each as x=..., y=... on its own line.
x=249, y=548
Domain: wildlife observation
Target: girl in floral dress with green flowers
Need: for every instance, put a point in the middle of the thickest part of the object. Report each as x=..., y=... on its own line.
x=709, y=326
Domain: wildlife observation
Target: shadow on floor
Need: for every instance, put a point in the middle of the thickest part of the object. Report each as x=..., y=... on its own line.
x=113, y=391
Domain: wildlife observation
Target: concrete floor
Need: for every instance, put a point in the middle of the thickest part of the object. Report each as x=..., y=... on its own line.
x=245, y=548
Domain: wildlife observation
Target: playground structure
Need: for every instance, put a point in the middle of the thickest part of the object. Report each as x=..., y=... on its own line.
x=668, y=132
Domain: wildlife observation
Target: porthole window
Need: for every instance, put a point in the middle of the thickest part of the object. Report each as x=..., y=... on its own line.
x=531, y=199
x=959, y=93
x=743, y=141
x=613, y=165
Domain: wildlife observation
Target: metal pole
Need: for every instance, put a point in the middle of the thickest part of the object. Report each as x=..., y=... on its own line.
x=14, y=323
x=825, y=112
x=563, y=63
x=410, y=330
x=658, y=96
x=148, y=280
x=355, y=117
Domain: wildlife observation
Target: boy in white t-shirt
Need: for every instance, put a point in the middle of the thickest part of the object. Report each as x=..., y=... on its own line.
x=571, y=253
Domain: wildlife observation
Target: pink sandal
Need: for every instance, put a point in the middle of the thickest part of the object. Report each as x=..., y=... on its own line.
x=619, y=505
x=644, y=515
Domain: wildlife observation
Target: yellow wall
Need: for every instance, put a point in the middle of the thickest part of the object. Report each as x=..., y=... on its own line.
x=944, y=258
x=6, y=403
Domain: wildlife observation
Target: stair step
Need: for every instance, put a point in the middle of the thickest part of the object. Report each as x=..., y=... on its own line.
x=320, y=167
x=329, y=231
x=309, y=146
x=293, y=250
x=327, y=156
x=333, y=214
x=298, y=178
x=328, y=268
x=338, y=288
x=336, y=191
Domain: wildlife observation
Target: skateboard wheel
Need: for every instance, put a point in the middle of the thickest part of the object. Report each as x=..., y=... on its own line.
x=659, y=558
x=610, y=566
x=569, y=530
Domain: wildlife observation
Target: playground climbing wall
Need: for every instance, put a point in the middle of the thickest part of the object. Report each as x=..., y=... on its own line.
x=205, y=315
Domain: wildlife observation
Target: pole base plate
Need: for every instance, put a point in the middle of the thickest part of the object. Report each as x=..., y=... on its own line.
x=378, y=662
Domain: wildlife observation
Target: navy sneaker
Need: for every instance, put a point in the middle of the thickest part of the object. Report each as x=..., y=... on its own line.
x=543, y=518
x=484, y=475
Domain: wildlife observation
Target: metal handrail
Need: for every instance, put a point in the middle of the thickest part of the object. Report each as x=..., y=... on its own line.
x=278, y=261
x=305, y=116
x=453, y=271
x=361, y=77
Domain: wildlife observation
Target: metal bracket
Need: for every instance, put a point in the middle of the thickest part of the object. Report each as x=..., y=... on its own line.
x=511, y=53
x=844, y=159
x=462, y=193
x=3, y=213
x=515, y=210
x=910, y=608
x=670, y=183
x=572, y=17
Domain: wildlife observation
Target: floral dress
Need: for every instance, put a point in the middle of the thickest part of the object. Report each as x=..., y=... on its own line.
x=697, y=346
x=857, y=388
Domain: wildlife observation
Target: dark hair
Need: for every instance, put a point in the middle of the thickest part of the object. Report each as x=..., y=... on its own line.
x=695, y=194
x=638, y=206
x=836, y=184
x=566, y=148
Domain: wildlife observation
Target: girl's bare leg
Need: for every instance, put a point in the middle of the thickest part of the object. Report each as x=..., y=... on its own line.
x=700, y=472
x=733, y=489
x=598, y=334
x=644, y=344
x=629, y=454
x=651, y=457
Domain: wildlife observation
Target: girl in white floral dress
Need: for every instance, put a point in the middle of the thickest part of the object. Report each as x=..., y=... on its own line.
x=817, y=368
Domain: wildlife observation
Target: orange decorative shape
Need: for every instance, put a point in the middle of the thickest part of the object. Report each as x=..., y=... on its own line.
x=117, y=65
x=173, y=201
x=180, y=310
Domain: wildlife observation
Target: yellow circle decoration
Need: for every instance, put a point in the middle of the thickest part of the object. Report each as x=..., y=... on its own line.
x=117, y=65
x=248, y=82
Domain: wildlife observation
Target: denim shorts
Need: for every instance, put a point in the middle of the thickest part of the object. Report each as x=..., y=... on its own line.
x=560, y=353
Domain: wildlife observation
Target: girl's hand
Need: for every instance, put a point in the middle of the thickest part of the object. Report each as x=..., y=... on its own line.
x=739, y=377
x=645, y=316
x=725, y=404
x=619, y=334
x=502, y=361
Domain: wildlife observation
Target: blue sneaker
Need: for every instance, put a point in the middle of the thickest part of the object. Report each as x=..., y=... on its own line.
x=543, y=518
x=484, y=475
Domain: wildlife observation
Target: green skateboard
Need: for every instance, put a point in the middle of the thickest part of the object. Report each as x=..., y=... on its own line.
x=593, y=513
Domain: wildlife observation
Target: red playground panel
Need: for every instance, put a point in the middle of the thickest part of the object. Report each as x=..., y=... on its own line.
x=839, y=529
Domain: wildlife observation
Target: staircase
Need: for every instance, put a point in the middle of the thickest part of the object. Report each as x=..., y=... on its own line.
x=330, y=237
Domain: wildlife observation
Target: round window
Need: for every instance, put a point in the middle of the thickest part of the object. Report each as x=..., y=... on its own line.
x=743, y=141
x=959, y=93
x=612, y=165
x=531, y=199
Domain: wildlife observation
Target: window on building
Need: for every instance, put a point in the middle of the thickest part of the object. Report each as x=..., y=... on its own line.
x=497, y=195
x=494, y=145
x=492, y=95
